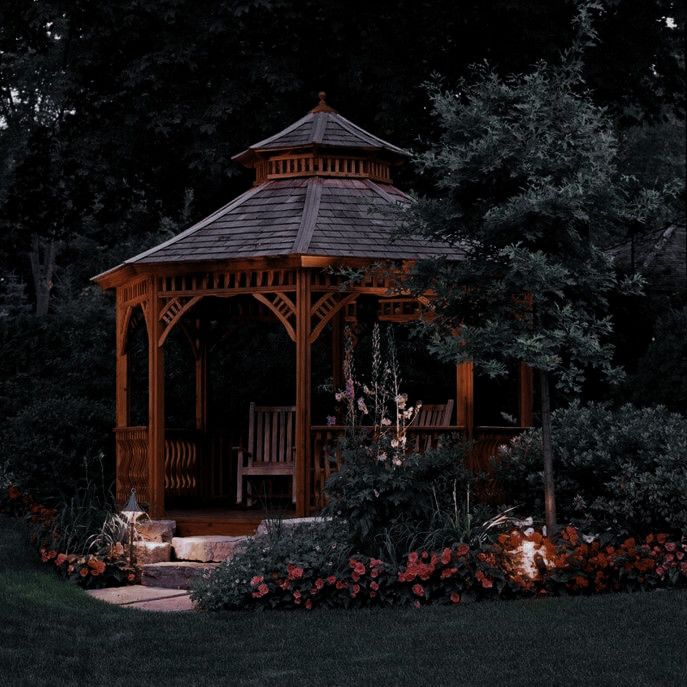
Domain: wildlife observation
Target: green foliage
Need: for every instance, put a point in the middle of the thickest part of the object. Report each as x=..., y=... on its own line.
x=530, y=193
x=317, y=550
x=382, y=502
x=57, y=394
x=624, y=467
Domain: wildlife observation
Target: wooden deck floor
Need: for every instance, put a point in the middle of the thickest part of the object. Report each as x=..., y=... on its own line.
x=191, y=522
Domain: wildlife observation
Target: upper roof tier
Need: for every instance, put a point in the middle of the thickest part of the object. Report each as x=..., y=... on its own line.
x=323, y=143
x=322, y=190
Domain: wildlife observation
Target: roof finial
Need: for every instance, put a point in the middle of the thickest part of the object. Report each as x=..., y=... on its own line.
x=322, y=105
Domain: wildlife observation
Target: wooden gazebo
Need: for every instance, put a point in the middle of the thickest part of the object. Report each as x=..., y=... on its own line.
x=323, y=199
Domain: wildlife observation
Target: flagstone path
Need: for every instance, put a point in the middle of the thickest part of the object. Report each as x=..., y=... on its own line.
x=145, y=598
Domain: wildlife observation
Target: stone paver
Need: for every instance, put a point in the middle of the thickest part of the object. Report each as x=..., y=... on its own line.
x=169, y=604
x=205, y=548
x=174, y=575
x=156, y=530
x=152, y=552
x=144, y=598
x=131, y=594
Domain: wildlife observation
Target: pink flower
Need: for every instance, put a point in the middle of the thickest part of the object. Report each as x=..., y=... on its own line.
x=331, y=579
x=297, y=597
x=374, y=586
x=660, y=571
x=294, y=572
x=446, y=556
x=331, y=420
x=319, y=583
x=671, y=546
x=308, y=604
x=355, y=590
x=455, y=598
x=462, y=550
x=418, y=590
x=256, y=580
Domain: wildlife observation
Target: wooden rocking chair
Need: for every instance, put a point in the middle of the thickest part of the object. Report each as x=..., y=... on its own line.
x=270, y=450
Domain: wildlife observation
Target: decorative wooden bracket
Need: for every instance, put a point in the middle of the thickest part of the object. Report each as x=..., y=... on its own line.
x=172, y=312
x=133, y=316
x=325, y=308
x=283, y=308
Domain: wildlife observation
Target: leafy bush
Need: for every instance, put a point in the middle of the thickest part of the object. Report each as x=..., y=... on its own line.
x=295, y=574
x=625, y=467
x=379, y=499
x=287, y=560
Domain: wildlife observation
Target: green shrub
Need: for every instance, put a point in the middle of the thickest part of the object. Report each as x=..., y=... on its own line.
x=380, y=500
x=625, y=467
x=317, y=551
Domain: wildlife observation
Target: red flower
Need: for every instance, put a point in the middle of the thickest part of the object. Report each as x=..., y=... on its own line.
x=319, y=583
x=671, y=546
x=446, y=556
x=424, y=555
x=331, y=579
x=375, y=562
x=455, y=598
x=462, y=550
x=661, y=538
x=374, y=586
x=297, y=597
x=256, y=580
x=13, y=493
x=359, y=568
x=412, y=557
x=487, y=583
x=341, y=584
x=294, y=572
x=262, y=590
x=355, y=576
x=308, y=604
x=660, y=571
x=448, y=572
x=418, y=590
x=355, y=590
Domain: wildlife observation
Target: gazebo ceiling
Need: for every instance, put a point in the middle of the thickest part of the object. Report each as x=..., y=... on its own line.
x=323, y=189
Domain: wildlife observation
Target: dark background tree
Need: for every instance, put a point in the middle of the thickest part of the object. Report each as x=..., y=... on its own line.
x=118, y=121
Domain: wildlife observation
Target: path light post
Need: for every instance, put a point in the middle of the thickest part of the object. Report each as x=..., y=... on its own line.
x=132, y=511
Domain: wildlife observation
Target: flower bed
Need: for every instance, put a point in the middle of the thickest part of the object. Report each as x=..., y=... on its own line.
x=517, y=564
x=107, y=567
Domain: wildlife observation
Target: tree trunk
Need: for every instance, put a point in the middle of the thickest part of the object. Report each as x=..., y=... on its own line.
x=42, y=269
x=547, y=449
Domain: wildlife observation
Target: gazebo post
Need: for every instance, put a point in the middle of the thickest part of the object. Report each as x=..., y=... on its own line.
x=201, y=377
x=337, y=350
x=526, y=395
x=156, y=408
x=303, y=392
x=122, y=369
x=465, y=397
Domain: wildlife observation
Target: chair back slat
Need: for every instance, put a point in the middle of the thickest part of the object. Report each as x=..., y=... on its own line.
x=271, y=433
x=436, y=414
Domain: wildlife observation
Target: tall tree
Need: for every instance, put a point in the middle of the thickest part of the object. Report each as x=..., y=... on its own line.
x=530, y=192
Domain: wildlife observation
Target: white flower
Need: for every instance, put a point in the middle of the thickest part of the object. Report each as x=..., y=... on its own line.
x=386, y=422
x=339, y=396
x=361, y=406
x=397, y=461
x=401, y=400
x=376, y=493
x=381, y=457
x=394, y=443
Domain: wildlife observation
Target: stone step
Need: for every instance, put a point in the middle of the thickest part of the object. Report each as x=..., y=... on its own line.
x=156, y=530
x=152, y=552
x=175, y=574
x=205, y=548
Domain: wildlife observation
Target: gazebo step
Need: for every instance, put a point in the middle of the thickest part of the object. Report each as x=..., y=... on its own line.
x=205, y=548
x=174, y=575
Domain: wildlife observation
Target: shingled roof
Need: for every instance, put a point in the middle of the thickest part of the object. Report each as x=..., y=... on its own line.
x=324, y=127
x=337, y=203
x=315, y=216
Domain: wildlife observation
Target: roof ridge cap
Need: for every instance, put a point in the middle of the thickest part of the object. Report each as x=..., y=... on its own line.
x=199, y=225
x=311, y=207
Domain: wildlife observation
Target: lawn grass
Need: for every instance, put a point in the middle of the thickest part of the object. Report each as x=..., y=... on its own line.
x=52, y=633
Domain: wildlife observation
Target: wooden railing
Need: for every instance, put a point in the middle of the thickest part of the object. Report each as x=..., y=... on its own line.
x=132, y=463
x=327, y=453
x=182, y=460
